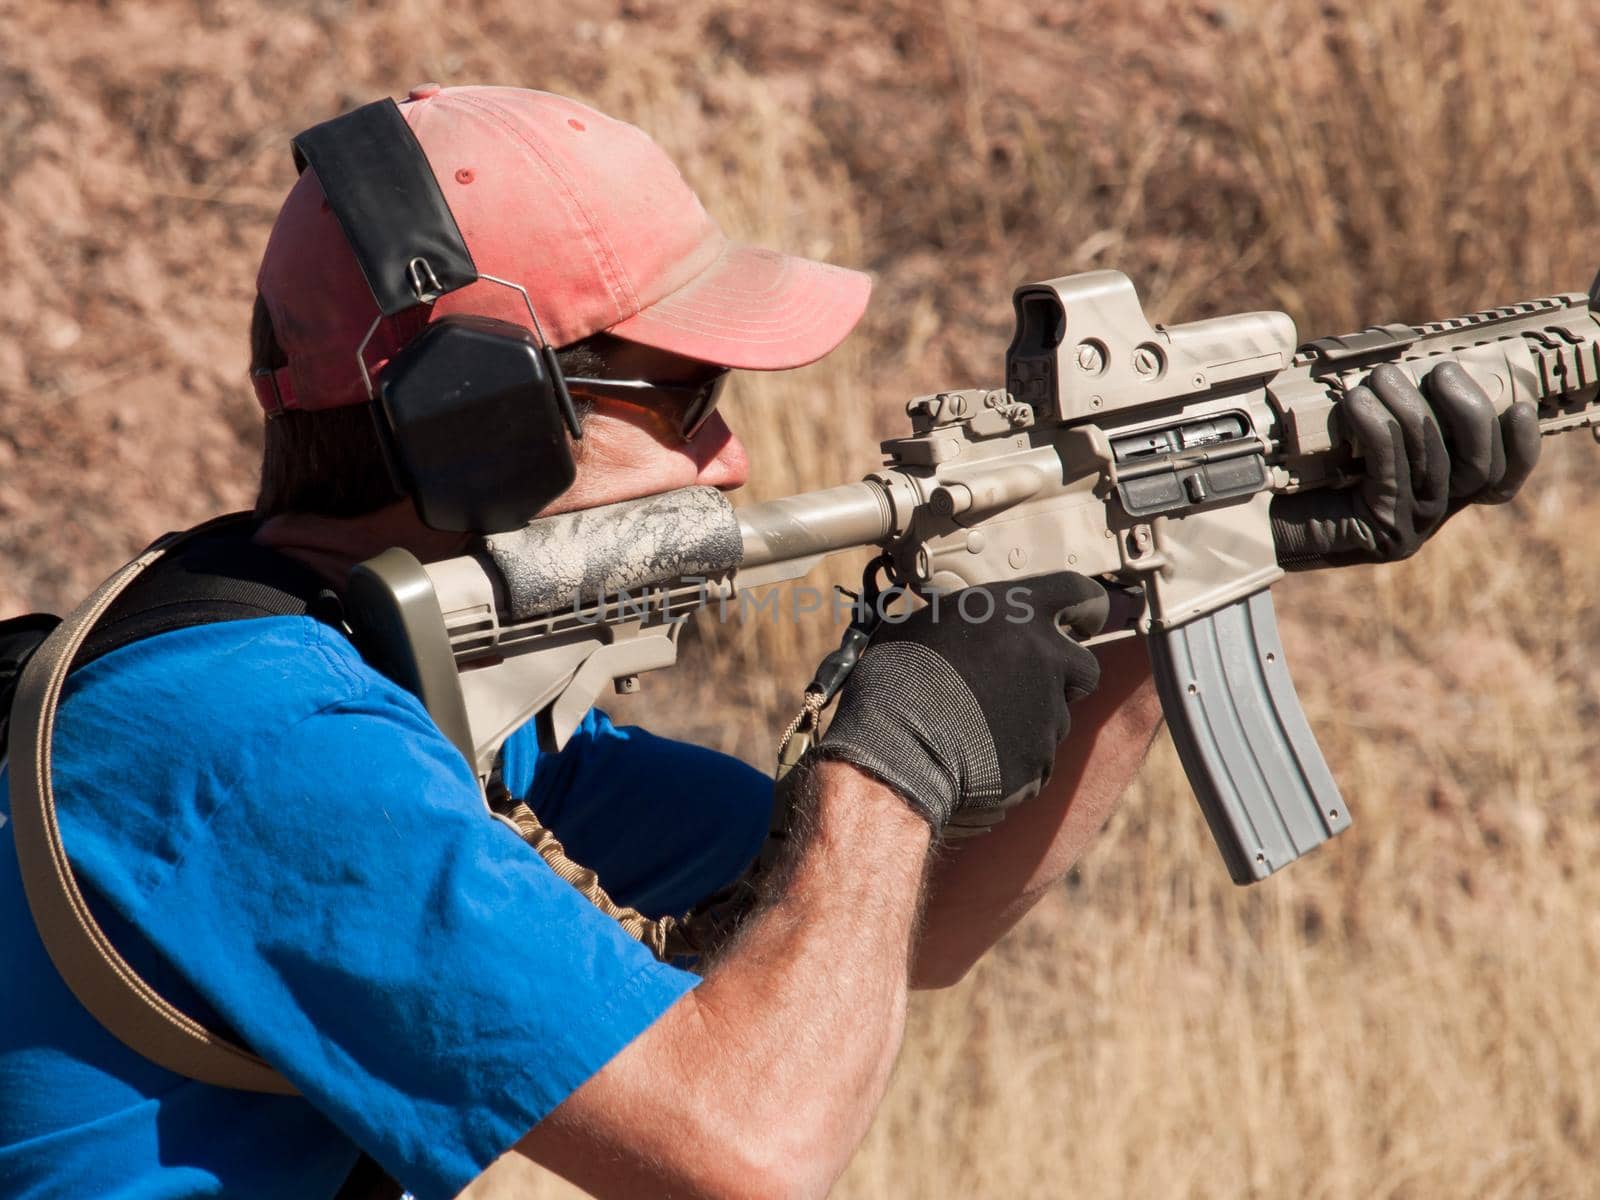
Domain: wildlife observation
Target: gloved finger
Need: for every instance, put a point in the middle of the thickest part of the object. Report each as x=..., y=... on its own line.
x=1057, y=609
x=1471, y=430
x=1374, y=429
x=1083, y=676
x=1075, y=603
x=1307, y=527
x=1424, y=444
x=1519, y=430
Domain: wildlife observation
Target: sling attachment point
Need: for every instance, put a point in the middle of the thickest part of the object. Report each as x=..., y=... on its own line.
x=835, y=668
x=832, y=672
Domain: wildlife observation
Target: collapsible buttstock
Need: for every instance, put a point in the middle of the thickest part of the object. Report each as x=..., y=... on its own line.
x=1244, y=741
x=394, y=618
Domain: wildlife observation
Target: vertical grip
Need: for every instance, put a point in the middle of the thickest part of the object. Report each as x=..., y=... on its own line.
x=1243, y=739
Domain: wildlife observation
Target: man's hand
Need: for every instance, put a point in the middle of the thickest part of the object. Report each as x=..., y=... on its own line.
x=1423, y=463
x=960, y=707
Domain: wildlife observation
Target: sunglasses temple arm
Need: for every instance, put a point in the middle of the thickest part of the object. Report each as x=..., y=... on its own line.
x=558, y=381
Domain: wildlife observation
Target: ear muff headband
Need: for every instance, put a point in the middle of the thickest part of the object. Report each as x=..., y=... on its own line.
x=387, y=201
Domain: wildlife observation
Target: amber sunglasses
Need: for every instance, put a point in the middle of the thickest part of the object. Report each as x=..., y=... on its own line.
x=688, y=405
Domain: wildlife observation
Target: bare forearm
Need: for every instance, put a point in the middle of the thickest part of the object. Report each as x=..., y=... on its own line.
x=832, y=953
x=980, y=887
x=771, y=1069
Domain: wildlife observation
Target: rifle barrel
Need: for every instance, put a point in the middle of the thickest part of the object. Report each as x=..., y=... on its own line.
x=814, y=523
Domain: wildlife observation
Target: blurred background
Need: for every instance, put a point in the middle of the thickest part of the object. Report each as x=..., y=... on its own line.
x=1409, y=1012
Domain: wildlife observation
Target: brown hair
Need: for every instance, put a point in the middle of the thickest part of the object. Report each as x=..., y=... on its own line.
x=330, y=462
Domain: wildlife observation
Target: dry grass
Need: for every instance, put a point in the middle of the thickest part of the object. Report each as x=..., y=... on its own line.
x=1404, y=1014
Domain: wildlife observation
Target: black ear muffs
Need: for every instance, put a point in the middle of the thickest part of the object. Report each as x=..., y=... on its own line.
x=471, y=426
x=473, y=413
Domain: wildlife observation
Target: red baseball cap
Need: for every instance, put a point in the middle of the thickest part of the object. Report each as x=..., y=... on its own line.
x=584, y=211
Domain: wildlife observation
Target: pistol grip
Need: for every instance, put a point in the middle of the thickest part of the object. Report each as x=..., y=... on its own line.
x=1243, y=739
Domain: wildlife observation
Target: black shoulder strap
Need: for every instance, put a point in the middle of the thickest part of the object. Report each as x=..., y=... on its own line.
x=218, y=575
x=19, y=638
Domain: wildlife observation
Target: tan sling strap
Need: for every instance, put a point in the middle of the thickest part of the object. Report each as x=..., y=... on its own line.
x=102, y=980
x=666, y=937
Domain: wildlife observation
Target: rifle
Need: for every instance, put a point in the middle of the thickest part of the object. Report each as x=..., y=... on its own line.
x=1140, y=453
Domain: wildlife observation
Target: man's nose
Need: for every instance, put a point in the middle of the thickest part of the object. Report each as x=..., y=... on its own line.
x=720, y=455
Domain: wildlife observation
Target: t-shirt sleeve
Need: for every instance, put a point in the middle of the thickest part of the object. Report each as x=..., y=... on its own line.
x=663, y=823
x=407, y=962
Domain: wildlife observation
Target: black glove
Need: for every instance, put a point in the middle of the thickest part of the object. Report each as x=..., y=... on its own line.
x=963, y=717
x=1422, y=465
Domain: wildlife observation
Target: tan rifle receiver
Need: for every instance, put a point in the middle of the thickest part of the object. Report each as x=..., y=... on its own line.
x=1142, y=453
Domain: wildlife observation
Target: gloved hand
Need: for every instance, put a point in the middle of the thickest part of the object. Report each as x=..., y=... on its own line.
x=1423, y=463
x=963, y=718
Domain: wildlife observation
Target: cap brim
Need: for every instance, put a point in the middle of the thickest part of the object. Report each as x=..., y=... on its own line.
x=754, y=309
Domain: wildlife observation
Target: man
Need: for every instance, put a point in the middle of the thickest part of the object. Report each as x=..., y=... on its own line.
x=281, y=841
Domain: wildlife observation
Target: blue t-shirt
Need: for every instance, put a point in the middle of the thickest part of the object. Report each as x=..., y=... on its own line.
x=284, y=844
